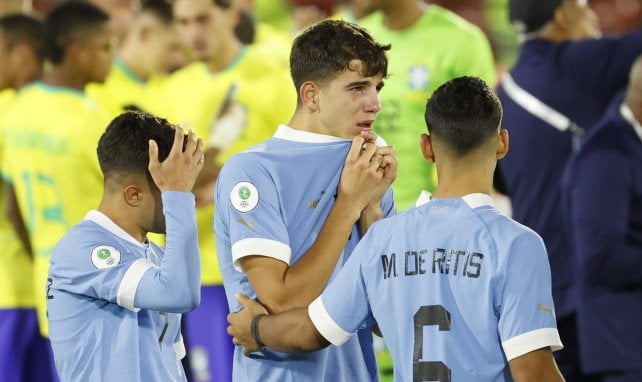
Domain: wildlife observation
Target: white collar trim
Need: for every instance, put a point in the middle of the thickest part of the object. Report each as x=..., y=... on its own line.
x=628, y=116
x=108, y=224
x=473, y=200
x=290, y=134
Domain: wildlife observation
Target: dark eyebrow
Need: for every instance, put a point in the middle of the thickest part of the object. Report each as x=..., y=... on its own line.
x=358, y=83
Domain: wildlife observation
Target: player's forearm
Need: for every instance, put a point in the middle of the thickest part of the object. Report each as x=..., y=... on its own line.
x=175, y=285
x=290, y=331
x=371, y=214
x=305, y=279
x=15, y=218
x=536, y=366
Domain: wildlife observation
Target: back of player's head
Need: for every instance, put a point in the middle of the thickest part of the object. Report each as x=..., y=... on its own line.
x=464, y=114
x=69, y=22
x=160, y=9
x=124, y=146
x=326, y=49
x=23, y=29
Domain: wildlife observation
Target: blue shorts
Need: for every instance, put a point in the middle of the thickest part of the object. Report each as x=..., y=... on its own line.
x=24, y=354
x=210, y=348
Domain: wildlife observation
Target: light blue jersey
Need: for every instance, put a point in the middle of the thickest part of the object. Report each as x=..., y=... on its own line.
x=272, y=200
x=109, y=318
x=457, y=289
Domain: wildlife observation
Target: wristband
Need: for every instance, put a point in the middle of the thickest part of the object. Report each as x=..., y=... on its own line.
x=254, y=329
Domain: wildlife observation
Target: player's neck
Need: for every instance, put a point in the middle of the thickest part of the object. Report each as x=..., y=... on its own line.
x=64, y=76
x=225, y=56
x=123, y=220
x=457, y=181
x=130, y=57
x=403, y=15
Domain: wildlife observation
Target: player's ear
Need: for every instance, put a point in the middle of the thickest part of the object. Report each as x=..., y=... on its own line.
x=133, y=195
x=309, y=94
x=426, y=148
x=502, y=143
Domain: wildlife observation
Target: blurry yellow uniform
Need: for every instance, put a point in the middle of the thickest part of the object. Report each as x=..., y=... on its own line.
x=193, y=97
x=51, y=134
x=16, y=266
x=123, y=88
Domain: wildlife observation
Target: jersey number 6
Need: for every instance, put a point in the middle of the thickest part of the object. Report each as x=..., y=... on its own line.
x=431, y=370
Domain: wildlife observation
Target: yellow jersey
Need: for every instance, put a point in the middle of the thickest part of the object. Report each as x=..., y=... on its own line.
x=193, y=97
x=16, y=266
x=51, y=134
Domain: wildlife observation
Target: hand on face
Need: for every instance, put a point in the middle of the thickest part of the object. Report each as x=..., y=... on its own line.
x=240, y=323
x=367, y=171
x=178, y=172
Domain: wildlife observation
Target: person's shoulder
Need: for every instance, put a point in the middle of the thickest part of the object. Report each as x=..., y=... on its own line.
x=250, y=158
x=259, y=62
x=504, y=228
x=81, y=241
x=436, y=16
x=188, y=75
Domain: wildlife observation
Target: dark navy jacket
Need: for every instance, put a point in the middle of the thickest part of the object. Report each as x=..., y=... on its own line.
x=577, y=79
x=603, y=199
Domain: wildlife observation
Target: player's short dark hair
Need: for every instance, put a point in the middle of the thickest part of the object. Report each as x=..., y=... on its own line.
x=463, y=113
x=68, y=22
x=160, y=9
x=326, y=49
x=124, y=146
x=19, y=28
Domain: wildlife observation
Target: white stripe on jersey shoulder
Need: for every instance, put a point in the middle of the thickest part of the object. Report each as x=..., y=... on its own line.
x=261, y=247
x=473, y=200
x=325, y=324
x=424, y=197
x=289, y=134
x=533, y=340
x=105, y=222
x=179, y=349
x=478, y=200
x=129, y=283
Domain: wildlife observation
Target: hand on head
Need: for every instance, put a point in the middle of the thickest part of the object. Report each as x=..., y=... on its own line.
x=178, y=172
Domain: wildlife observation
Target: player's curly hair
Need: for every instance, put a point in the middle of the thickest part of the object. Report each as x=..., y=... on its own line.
x=326, y=49
x=124, y=146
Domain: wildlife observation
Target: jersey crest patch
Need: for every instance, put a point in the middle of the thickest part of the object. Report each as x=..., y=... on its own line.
x=244, y=197
x=418, y=78
x=105, y=256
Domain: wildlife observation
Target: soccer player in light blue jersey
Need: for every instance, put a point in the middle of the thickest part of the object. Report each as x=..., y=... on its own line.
x=459, y=291
x=290, y=210
x=114, y=299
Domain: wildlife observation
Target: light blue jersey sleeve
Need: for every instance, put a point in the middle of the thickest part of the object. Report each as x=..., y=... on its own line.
x=343, y=307
x=526, y=314
x=89, y=262
x=174, y=286
x=249, y=205
x=97, y=267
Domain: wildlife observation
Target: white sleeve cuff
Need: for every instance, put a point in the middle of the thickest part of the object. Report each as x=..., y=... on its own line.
x=179, y=349
x=530, y=341
x=325, y=324
x=129, y=283
x=260, y=247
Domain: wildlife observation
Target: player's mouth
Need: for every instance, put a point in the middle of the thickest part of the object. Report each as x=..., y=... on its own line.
x=365, y=125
